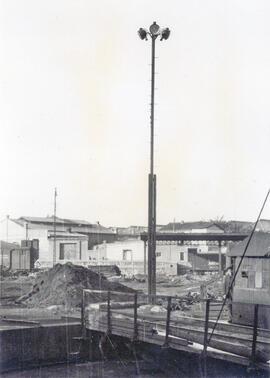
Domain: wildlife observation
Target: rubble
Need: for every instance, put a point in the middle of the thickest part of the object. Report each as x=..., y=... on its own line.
x=63, y=285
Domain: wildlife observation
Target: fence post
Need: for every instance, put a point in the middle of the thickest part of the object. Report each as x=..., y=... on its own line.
x=135, y=335
x=166, y=343
x=205, y=343
x=82, y=316
x=254, y=340
x=109, y=326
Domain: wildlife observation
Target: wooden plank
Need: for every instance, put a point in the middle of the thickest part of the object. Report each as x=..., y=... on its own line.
x=220, y=341
x=240, y=332
x=173, y=343
x=178, y=319
x=120, y=305
x=19, y=320
x=229, y=327
x=227, y=337
x=104, y=292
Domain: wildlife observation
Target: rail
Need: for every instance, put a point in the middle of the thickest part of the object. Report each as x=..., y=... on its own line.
x=116, y=313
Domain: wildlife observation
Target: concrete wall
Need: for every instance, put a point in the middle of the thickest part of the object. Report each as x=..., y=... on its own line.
x=252, y=284
x=28, y=346
x=46, y=256
x=165, y=252
x=135, y=267
x=114, y=251
x=171, y=253
x=243, y=313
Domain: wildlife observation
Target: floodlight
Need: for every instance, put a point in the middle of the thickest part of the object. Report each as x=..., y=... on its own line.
x=142, y=33
x=165, y=34
x=154, y=29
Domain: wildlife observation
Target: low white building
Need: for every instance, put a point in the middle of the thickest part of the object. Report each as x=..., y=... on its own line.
x=127, y=250
x=68, y=246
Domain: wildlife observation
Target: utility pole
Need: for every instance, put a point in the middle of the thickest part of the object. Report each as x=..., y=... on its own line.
x=54, y=228
x=154, y=32
x=7, y=228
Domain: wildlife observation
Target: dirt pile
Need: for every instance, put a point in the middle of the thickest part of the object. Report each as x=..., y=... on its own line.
x=106, y=270
x=63, y=285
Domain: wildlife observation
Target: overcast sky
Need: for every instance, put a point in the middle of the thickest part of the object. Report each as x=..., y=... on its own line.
x=74, y=109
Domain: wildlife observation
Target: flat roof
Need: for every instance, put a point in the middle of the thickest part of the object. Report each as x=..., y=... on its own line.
x=196, y=236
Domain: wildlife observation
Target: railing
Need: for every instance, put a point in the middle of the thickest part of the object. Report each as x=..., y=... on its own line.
x=175, y=333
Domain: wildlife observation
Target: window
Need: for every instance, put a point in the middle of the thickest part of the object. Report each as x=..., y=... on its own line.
x=182, y=256
x=68, y=251
x=158, y=254
x=258, y=280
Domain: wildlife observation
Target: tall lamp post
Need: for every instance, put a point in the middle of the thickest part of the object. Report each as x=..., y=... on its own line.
x=154, y=32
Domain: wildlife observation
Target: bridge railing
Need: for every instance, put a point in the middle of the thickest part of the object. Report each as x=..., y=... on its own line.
x=112, y=312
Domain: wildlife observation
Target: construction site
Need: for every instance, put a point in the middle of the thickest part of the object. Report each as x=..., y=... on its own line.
x=89, y=320
x=161, y=297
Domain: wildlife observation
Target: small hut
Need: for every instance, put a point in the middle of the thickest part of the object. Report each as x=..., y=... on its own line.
x=252, y=283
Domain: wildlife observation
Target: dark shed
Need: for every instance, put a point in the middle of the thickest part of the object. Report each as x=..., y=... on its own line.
x=252, y=283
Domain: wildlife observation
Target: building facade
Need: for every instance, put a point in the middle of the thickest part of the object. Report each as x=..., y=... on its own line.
x=252, y=282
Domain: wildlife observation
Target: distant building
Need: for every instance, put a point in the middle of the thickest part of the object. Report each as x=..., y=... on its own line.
x=252, y=283
x=263, y=225
x=235, y=226
x=132, y=232
x=197, y=255
x=128, y=255
x=128, y=250
x=192, y=227
x=73, y=237
x=95, y=232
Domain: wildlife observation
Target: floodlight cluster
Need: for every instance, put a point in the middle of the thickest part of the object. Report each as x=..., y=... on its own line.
x=154, y=32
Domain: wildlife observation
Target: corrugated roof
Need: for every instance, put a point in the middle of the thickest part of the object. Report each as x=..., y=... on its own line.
x=77, y=222
x=259, y=246
x=83, y=226
x=95, y=229
x=40, y=219
x=51, y=220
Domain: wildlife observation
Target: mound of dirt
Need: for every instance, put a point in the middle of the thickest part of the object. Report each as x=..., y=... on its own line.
x=64, y=284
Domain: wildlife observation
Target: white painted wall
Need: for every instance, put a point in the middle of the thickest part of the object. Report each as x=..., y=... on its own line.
x=114, y=251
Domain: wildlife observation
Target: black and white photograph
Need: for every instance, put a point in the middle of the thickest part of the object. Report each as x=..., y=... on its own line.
x=134, y=188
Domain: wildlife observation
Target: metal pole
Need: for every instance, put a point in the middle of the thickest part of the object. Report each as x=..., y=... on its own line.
x=7, y=229
x=152, y=202
x=149, y=265
x=154, y=32
x=144, y=258
x=152, y=106
x=54, y=229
